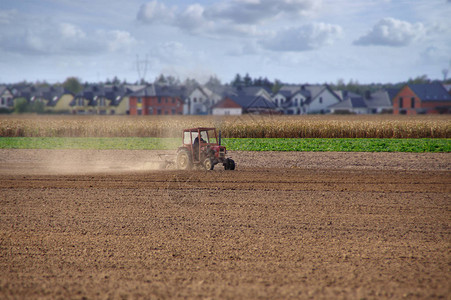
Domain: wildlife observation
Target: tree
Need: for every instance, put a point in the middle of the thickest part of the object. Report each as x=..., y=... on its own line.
x=267, y=83
x=116, y=81
x=341, y=84
x=20, y=105
x=161, y=80
x=23, y=106
x=73, y=85
x=445, y=74
x=172, y=81
x=258, y=81
x=419, y=80
x=247, y=80
x=213, y=82
x=190, y=83
x=37, y=107
x=237, y=82
x=276, y=86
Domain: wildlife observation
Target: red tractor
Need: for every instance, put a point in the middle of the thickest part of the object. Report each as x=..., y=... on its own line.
x=202, y=147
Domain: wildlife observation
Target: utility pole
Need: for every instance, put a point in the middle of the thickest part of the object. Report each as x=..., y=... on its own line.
x=141, y=67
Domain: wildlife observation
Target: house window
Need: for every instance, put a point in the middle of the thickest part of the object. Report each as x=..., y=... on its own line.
x=140, y=112
x=173, y=111
x=320, y=99
x=140, y=100
x=173, y=100
x=80, y=102
x=412, y=102
x=400, y=102
x=159, y=100
x=150, y=110
x=159, y=111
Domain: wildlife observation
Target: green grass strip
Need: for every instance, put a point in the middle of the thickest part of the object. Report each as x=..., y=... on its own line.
x=131, y=143
x=135, y=143
x=341, y=145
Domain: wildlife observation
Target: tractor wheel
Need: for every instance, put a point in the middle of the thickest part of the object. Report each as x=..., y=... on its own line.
x=183, y=161
x=229, y=164
x=208, y=164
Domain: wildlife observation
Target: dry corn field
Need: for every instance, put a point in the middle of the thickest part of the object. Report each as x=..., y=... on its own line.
x=318, y=126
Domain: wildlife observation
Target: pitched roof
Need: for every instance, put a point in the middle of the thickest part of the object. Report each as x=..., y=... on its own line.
x=315, y=90
x=252, y=102
x=147, y=91
x=115, y=93
x=50, y=93
x=290, y=89
x=392, y=93
x=153, y=90
x=227, y=103
x=430, y=91
x=249, y=90
x=379, y=98
x=343, y=95
x=351, y=102
x=2, y=89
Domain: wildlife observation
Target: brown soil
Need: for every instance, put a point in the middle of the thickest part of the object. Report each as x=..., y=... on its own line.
x=107, y=224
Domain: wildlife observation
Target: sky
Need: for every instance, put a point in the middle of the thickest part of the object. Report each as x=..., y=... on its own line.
x=295, y=41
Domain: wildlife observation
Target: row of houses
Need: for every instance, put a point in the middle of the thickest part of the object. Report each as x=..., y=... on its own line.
x=227, y=100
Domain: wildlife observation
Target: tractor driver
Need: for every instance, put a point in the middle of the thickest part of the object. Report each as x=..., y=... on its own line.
x=196, y=149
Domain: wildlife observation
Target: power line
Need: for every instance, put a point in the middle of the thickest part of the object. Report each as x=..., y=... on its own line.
x=141, y=67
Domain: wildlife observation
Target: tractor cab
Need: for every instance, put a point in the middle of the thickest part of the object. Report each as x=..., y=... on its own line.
x=202, y=147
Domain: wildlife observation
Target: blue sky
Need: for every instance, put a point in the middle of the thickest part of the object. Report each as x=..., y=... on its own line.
x=296, y=41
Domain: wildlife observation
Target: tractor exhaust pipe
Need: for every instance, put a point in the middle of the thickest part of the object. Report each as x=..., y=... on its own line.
x=219, y=140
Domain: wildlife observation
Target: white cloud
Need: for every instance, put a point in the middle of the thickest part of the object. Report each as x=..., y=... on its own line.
x=392, y=32
x=155, y=11
x=193, y=19
x=37, y=36
x=118, y=40
x=236, y=17
x=303, y=38
x=254, y=12
x=70, y=31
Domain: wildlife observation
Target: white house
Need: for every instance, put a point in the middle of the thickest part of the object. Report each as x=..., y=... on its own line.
x=200, y=101
x=6, y=97
x=284, y=95
x=227, y=107
x=320, y=98
x=294, y=105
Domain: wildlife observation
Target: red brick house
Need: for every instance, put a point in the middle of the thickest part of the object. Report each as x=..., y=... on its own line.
x=430, y=98
x=156, y=100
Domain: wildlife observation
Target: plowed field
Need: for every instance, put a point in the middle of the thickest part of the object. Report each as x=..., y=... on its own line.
x=108, y=224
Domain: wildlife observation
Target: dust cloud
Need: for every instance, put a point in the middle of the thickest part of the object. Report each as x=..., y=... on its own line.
x=68, y=162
